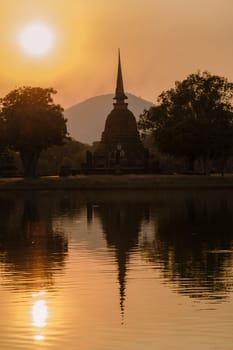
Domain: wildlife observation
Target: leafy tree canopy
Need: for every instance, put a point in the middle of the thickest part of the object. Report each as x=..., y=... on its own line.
x=193, y=119
x=33, y=123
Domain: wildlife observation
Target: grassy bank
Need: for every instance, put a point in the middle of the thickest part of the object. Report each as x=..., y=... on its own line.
x=103, y=182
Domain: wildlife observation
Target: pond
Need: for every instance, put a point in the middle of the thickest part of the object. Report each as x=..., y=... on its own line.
x=116, y=270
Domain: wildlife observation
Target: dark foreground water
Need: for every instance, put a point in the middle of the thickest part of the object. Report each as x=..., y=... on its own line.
x=116, y=270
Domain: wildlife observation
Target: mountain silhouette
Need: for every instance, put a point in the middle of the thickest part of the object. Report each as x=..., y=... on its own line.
x=85, y=120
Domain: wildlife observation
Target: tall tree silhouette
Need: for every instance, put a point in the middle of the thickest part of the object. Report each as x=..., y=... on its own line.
x=33, y=123
x=194, y=119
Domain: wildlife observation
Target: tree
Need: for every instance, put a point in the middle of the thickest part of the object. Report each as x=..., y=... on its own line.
x=194, y=119
x=33, y=123
x=69, y=157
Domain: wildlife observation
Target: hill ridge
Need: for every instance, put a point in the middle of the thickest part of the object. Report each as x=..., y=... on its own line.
x=86, y=119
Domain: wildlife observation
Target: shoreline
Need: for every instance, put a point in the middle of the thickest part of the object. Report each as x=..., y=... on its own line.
x=118, y=182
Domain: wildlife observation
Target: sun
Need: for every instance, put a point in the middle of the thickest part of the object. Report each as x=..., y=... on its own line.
x=37, y=39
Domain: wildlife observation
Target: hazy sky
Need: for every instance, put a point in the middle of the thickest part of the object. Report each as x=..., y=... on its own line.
x=161, y=41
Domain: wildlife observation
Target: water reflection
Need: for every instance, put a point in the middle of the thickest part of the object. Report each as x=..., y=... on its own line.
x=39, y=337
x=121, y=223
x=31, y=250
x=192, y=243
x=76, y=258
x=40, y=313
x=189, y=240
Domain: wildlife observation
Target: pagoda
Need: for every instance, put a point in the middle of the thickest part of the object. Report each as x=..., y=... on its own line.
x=120, y=148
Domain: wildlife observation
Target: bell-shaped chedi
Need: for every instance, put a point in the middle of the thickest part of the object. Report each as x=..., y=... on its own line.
x=120, y=145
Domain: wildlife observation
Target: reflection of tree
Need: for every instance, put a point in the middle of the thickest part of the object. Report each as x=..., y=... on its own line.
x=190, y=244
x=31, y=250
x=192, y=241
x=121, y=222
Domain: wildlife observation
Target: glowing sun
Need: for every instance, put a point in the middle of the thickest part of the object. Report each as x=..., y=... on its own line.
x=37, y=39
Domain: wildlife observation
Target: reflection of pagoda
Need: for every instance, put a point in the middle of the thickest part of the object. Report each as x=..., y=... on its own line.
x=121, y=224
x=120, y=145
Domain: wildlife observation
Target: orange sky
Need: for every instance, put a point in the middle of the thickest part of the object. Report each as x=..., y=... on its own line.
x=161, y=41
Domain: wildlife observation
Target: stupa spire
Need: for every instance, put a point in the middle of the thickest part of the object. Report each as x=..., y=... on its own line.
x=119, y=94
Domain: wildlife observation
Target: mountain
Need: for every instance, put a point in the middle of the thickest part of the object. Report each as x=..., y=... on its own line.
x=86, y=120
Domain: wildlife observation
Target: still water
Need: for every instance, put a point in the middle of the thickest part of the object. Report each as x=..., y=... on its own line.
x=116, y=270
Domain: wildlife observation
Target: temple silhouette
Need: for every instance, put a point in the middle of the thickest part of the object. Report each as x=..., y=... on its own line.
x=120, y=148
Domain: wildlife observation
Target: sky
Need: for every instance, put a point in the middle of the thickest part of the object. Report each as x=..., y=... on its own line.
x=161, y=41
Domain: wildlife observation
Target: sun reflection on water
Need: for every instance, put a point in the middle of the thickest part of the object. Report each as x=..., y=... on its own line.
x=39, y=337
x=39, y=314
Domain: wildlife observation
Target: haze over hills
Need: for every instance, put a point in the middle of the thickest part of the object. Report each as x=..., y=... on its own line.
x=86, y=120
